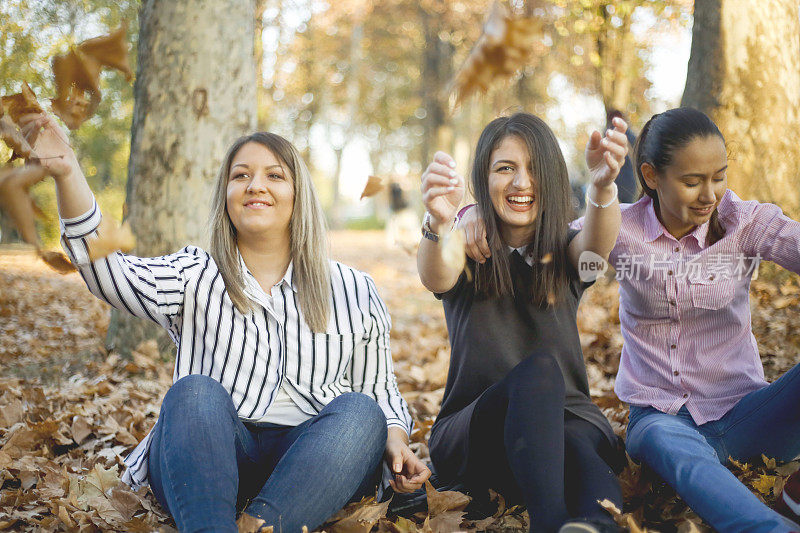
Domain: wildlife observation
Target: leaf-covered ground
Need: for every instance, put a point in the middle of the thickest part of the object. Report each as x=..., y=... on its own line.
x=69, y=411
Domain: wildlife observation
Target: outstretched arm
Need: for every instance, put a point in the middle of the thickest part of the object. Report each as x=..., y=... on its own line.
x=605, y=155
x=442, y=192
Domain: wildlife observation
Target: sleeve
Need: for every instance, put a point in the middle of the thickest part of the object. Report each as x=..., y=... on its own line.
x=372, y=368
x=769, y=234
x=148, y=288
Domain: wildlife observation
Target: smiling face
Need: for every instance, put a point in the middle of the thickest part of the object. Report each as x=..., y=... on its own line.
x=513, y=189
x=260, y=192
x=690, y=188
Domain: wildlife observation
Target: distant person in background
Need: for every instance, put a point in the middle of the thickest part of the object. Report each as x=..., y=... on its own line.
x=626, y=181
x=402, y=227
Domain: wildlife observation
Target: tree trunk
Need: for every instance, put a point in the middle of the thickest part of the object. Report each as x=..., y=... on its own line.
x=195, y=93
x=744, y=72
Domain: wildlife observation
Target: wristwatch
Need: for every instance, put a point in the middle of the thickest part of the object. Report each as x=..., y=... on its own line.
x=427, y=232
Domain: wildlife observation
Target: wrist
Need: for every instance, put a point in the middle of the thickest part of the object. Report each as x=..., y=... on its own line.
x=601, y=196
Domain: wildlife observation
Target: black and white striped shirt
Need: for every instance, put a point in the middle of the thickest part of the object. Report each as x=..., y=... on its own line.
x=253, y=354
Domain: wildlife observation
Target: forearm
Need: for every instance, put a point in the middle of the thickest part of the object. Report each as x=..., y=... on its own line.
x=601, y=225
x=434, y=273
x=73, y=193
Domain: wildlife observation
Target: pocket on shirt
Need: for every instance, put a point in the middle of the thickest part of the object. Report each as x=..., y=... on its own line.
x=712, y=292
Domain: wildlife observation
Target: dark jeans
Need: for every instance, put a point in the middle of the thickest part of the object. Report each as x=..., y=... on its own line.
x=524, y=445
x=202, y=456
x=691, y=458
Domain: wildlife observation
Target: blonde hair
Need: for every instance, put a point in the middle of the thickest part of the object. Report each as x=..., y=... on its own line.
x=307, y=235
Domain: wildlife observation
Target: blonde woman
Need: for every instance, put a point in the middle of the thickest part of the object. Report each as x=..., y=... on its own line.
x=284, y=392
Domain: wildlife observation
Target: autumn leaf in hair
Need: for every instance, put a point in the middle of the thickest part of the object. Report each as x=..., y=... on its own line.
x=503, y=48
x=77, y=75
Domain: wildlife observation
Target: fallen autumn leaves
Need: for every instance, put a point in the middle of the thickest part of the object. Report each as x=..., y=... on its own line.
x=69, y=411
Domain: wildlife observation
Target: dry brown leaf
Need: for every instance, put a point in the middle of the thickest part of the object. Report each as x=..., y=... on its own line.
x=447, y=522
x=446, y=500
x=358, y=517
x=21, y=103
x=110, y=238
x=503, y=48
x=250, y=524
x=77, y=74
x=374, y=186
x=10, y=134
x=15, y=200
x=56, y=260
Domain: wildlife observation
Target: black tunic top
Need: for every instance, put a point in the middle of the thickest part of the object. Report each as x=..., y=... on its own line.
x=488, y=338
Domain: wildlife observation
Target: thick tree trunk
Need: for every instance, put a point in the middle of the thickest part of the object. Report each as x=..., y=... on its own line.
x=744, y=72
x=195, y=93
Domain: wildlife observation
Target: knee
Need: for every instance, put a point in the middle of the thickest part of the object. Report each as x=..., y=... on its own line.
x=539, y=374
x=362, y=415
x=198, y=397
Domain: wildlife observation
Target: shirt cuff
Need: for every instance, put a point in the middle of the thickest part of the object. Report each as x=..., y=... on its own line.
x=400, y=424
x=83, y=225
x=74, y=232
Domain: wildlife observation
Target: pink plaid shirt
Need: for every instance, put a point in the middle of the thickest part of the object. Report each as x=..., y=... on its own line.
x=685, y=307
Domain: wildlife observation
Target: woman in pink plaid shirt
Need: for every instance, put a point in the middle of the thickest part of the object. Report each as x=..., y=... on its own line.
x=690, y=367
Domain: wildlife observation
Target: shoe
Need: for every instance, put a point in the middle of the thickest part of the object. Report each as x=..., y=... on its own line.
x=578, y=527
x=582, y=525
x=788, y=502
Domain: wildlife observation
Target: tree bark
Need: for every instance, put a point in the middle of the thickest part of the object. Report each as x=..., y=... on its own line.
x=744, y=72
x=195, y=93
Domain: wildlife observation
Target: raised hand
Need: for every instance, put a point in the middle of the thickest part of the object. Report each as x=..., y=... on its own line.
x=442, y=190
x=605, y=155
x=50, y=144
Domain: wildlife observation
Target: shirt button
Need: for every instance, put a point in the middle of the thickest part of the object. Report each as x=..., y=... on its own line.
x=685, y=395
x=672, y=302
x=711, y=276
x=669, y=272
x=673, y=347
x=677, y=248
x=675, y=373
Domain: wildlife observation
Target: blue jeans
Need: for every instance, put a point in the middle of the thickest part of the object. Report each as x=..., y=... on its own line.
x=691, y=458
x=203, y=457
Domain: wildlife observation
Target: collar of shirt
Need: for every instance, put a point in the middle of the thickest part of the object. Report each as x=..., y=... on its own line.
x=521, y=250
x=256, y=292
x=653, y=228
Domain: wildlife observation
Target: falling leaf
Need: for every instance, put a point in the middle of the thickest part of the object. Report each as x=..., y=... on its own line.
x=110, y=238
x=15, y=200
x=769, y=463
x=10, y=134
x=77, y=75
x=610, y=506
x=57, y=261
x=446, y=500
x=374, y=186
x=546, y=258
x=502, y=49
x=22, y=103
x=453, y=250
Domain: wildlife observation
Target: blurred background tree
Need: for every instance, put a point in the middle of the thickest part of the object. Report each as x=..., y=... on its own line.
x=360, y=86
x=744, y=71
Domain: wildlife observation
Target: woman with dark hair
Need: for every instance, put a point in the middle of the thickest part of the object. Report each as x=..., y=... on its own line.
x=283, y=392
x=690, y=367
x=516, y=414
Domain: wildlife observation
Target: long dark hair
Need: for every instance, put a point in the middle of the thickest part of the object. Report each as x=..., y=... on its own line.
x=548, y=245
x=663, y=135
